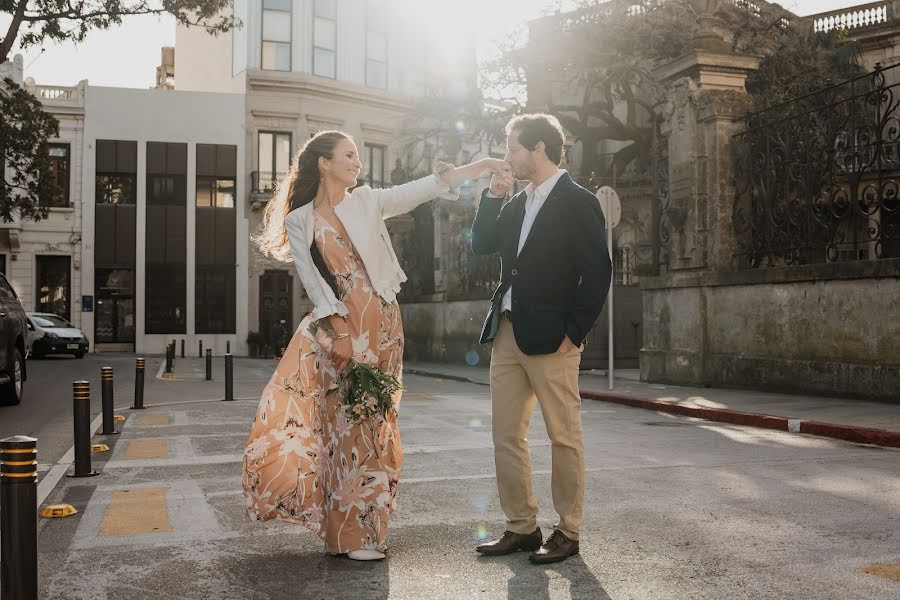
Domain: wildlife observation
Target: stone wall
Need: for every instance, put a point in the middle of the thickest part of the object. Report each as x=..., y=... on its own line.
x=830, y=329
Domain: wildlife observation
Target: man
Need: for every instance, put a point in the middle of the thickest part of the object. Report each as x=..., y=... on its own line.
x=554, y=275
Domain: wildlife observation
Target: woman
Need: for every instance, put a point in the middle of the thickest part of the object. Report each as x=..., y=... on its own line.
x=306, y=461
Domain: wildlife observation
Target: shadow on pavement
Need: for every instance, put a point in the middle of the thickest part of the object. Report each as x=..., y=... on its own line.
x=534, y=582
x=307, y=575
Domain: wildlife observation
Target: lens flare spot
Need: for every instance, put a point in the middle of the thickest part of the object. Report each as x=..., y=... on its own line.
x=476, y=423
x=472, y=358
x=481, y=533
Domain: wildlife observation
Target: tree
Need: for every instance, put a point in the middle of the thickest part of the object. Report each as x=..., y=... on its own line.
x=25, y=127
x=595, y=67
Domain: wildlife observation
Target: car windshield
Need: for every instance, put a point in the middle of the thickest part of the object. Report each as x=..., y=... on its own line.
x=48, y=321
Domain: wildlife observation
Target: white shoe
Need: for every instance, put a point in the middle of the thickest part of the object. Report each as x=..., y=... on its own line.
x=365, y=555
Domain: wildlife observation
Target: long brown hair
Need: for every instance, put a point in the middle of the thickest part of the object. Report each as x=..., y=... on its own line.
x=297, y=188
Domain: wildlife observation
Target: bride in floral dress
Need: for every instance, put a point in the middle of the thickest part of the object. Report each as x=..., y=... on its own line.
x=308, y=461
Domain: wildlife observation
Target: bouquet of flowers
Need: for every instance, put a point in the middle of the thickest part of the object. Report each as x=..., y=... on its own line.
x=367, y=390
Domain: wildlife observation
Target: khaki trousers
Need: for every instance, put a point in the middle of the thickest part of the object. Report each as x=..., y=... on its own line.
x=517, y=381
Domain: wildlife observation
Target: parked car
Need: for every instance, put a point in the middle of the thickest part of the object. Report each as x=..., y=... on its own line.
x=13, y=329
x=54, y=335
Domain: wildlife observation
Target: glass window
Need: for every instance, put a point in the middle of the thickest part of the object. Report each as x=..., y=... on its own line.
x=116, y=173
x=325, y=39
x=274, y=159
x=115, y=189
x=53, y=285
x=276, y=56
x=375, y=157
x=326, y=8
x=59, y=171
x=215, y=192
x=376, y=45
x=276, y=35
x=215, y=293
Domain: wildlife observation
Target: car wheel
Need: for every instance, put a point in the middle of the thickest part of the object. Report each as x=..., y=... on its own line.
x=11, y=392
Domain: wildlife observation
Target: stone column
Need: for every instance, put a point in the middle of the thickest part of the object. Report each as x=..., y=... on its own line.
x=705, y=107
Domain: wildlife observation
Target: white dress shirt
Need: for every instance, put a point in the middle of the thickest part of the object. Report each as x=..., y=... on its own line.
x=536, y=196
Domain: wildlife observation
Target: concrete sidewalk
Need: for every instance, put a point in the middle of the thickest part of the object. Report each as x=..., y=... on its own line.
x=849, y=419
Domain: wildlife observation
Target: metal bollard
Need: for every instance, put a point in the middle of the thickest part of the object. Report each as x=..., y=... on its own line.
x=18, y=518
x=227, y=346
x=106, y=397
x=169, y=359
x=201, y=348
x=81, y=400
x=138, y=384
x=182, y=347
x=229, y=378
x=208, y=364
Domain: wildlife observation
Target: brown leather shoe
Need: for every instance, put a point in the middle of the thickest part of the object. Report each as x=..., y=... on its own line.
x=557, y=547
x=512, y=542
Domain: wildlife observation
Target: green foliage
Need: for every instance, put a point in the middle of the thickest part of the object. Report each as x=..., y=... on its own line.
x=24, y=131
x=595, y=67
x=367, y=390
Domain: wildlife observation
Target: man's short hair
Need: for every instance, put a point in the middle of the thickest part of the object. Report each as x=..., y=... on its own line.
x=539, y=127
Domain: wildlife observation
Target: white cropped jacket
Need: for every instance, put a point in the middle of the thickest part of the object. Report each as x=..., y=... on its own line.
x=362, y=212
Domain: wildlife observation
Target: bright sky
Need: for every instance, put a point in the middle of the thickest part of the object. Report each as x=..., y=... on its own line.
x=127, y=56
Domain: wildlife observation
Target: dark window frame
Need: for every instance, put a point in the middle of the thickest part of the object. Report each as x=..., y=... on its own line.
x=64, y=182
x=370, y=165
x=262, y=170
x=39, y=272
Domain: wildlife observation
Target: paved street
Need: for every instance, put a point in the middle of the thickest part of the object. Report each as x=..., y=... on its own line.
x=676, y=508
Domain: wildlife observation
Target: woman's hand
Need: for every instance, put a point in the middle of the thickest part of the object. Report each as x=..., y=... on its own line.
x=340, y=352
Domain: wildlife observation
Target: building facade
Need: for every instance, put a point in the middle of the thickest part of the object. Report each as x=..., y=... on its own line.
x=42, y=259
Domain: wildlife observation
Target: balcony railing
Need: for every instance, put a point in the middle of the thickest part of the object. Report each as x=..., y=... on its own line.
x=856, y=17
x=263, y=182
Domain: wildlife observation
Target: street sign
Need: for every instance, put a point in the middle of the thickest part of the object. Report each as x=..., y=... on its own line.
x=612, y=207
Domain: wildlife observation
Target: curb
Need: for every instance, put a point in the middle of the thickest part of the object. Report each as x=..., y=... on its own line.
x=434, y=375
x=849, y=433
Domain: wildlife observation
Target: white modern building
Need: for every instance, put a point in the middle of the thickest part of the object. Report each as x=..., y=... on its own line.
x=164, y=244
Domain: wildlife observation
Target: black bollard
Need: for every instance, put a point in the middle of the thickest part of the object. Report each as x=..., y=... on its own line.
x=201, y=348
x=81, y=399
x=139, y=384
x=182, y=347
x=18, y=518
x=169, y=359
x=106, y=397
x=227, y=346
x=208, y=364
x=229, y=378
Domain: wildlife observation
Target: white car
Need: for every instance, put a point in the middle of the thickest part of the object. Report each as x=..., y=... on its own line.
x=51, y=334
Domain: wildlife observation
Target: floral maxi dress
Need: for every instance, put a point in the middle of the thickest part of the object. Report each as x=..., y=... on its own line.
x=306, y=462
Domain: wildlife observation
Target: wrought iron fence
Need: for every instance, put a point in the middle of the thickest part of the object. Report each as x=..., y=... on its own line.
x=818, y=176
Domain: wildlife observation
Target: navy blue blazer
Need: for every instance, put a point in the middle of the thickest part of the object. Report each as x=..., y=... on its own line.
x=561, y=277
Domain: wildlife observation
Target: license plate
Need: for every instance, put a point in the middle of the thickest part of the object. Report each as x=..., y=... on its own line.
x=71, y=346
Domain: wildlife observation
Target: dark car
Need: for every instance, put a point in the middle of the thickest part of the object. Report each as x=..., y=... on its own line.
x=13, y=329
x=54, y=335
